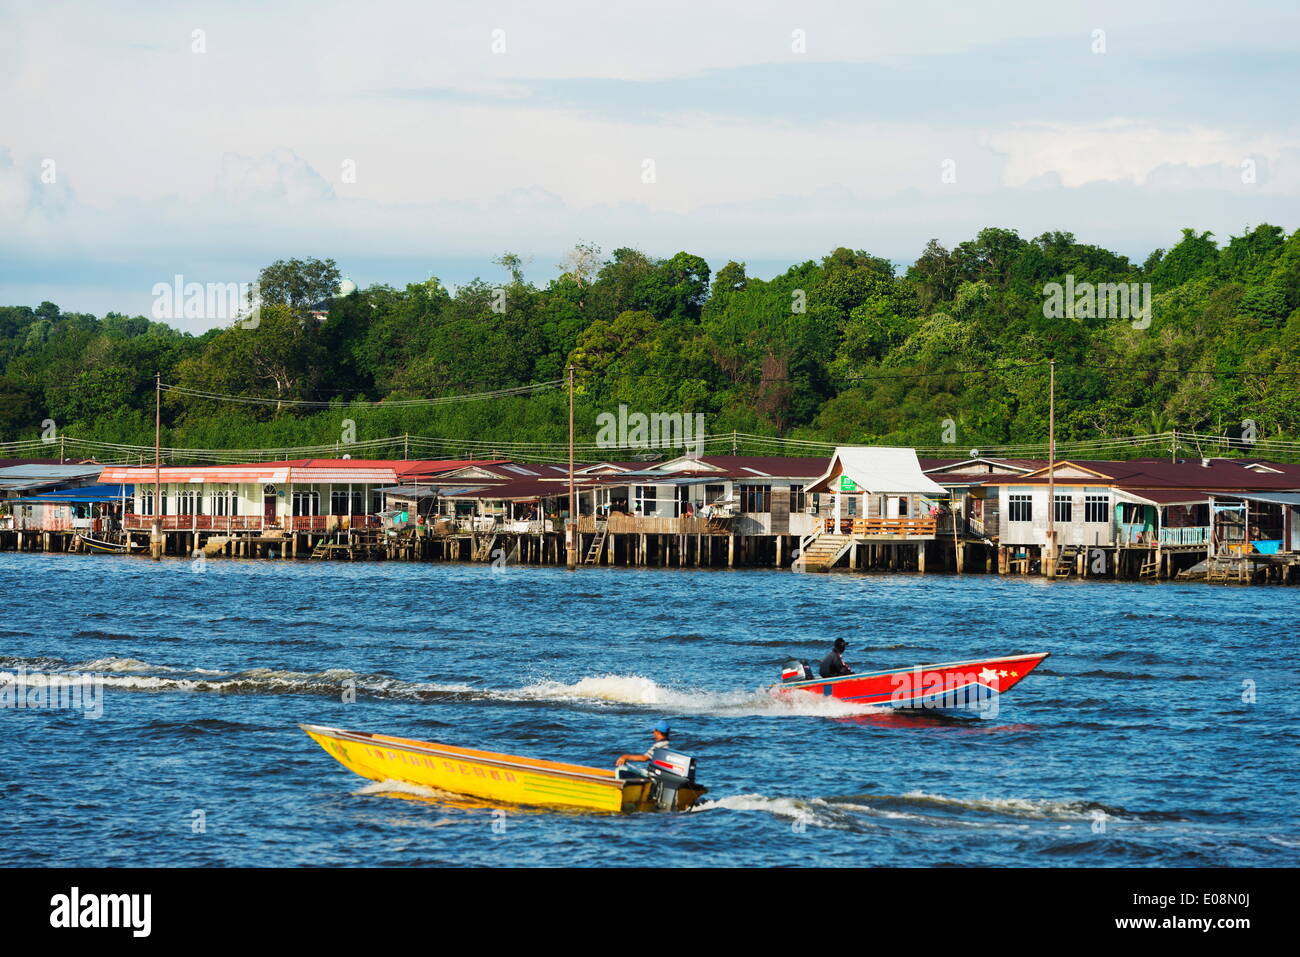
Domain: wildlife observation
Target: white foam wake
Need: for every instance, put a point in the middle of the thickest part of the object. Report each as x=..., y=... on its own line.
x=640, y=690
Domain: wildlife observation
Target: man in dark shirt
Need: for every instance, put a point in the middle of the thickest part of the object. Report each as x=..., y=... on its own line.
x=833, y=665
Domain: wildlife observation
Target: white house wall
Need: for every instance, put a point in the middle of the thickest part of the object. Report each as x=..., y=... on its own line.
x=249, y=496
x=1076, y=532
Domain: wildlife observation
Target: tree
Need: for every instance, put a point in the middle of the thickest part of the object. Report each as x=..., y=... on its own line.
x=581, y=263
x=298, y=283
x=278, y=359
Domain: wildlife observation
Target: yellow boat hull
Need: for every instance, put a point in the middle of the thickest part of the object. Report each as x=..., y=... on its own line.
x=505, y=778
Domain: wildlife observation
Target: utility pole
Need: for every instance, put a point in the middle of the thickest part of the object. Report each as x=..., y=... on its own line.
x=155, y=539
x=1050, y=555
x=572, y=527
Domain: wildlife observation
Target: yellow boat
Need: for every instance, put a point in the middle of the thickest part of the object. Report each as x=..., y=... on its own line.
x=669, y=784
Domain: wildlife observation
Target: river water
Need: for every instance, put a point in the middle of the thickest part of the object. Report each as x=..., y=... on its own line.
x=1162, y=731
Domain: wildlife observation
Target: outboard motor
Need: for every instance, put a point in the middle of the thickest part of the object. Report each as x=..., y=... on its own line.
x=796, y=670
x=669, y=772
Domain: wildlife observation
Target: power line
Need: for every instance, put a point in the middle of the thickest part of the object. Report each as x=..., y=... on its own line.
x=715, y=443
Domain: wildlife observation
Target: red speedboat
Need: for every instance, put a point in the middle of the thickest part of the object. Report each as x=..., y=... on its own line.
x=955, y=686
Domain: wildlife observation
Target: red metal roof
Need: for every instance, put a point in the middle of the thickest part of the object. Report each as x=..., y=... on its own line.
x=777, y=466
x=524, y=488
x=302, y=470
x=1224, y=474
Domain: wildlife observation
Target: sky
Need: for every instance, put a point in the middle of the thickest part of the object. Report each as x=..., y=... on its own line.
x=144, y=141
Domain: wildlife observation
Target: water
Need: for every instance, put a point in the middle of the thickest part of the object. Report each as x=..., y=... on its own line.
x=1131, y=745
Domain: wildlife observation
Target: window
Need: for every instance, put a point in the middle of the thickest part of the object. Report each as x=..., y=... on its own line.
x=1064, y=508
x=341, y=503
x=1096, y=509
x=756, y=498
x=1020, y=507
x=225, y=503
x=189, y=501
x=683, y=499
x=146, y=502
x=306, y=503
x=714, y=494
x=798, y=498
x=645, y=502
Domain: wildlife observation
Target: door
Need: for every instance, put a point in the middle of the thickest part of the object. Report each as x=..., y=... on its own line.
x=268, y=509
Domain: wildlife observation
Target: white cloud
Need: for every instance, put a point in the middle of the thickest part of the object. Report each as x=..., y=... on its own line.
x=1122, y=150
x=211, y=164
x=281, y=175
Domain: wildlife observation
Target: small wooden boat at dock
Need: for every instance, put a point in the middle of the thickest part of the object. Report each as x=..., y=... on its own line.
x=954, y=686
x=668, y=785
x=96, y=545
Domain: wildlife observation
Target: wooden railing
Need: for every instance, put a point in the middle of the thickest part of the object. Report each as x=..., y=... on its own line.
x=321, y=523
x=621, y=524
x=1190, y=535
x=203, y=523
x=894, y=527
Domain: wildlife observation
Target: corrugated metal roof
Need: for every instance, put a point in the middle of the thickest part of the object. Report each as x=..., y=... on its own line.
x=40, y=471
x=776, y=466
x=1224, y=474
x=86, y=493
x=1273, y=498
x=1165, y=496
x=879, y=469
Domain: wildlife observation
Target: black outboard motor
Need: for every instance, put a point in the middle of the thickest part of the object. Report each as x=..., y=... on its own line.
x=669, y=771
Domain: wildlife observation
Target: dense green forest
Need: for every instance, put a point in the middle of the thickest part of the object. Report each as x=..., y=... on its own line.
x=839, y=350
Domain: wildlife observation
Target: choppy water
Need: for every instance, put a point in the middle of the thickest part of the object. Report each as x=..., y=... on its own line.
x=1131, y=745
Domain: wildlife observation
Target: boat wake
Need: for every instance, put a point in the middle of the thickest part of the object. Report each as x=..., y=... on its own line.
x=639, y=690
x=132, y=674
x=860, y=812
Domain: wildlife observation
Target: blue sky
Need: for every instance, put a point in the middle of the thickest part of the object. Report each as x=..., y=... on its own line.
x=206, y=140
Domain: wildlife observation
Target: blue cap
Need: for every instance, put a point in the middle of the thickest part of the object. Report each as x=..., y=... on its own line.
x=662, y=727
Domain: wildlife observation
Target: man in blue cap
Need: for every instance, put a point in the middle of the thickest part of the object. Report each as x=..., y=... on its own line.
x=662, y=732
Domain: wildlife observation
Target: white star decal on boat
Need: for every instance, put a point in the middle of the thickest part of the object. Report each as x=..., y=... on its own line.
x=989, y=675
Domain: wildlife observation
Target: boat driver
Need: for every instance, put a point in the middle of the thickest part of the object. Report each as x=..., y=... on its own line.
x=833, y=665
x=661, y=732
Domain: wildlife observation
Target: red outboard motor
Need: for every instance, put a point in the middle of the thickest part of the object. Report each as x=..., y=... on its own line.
x=796, y=670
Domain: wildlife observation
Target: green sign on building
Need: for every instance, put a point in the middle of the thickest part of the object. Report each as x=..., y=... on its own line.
x=847, y=484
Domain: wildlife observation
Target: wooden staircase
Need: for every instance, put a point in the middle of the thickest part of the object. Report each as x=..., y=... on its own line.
x=1234, y=568
x=822, y=551
x=483, y=547
x=597, y=543
x=1066, y=560
x=328, y=550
